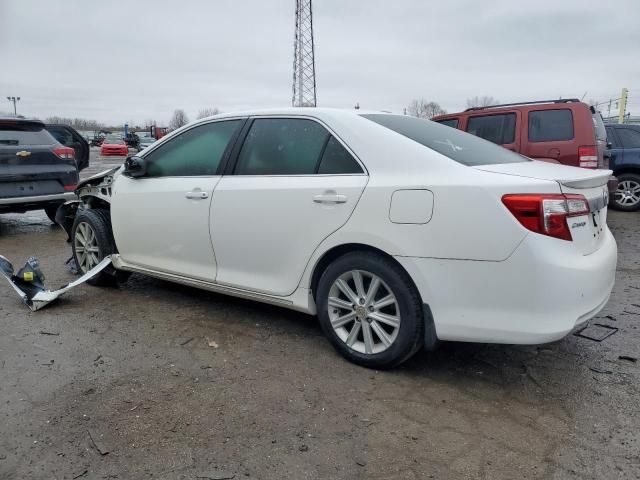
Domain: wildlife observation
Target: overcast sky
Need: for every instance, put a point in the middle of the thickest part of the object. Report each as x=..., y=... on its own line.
x=131, y=60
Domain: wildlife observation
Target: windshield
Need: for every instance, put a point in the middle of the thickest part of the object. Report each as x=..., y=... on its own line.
x=462, y=147
x=114, y=141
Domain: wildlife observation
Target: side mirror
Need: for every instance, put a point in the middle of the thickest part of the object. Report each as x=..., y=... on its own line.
x=609, y=145
x=135, y=166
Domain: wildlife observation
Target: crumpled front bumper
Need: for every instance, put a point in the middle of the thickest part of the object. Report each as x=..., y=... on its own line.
x=28, y=282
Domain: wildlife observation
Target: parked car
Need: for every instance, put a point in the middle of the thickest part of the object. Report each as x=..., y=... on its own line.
x=624, y=160
x=69, y=137
x=564, y=131
x=146, y=142
x=36, y=171
x=114, y=145
x=396, y=231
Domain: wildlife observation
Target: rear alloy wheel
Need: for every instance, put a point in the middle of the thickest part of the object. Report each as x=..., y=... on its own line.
x=370, y=310
x=627, y=196
x=91, y=242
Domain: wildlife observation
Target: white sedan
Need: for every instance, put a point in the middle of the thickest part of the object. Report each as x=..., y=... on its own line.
x=397, y=232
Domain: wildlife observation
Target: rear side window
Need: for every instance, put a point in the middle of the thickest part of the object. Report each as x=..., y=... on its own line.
x=500, y=129
x=197, y=151
x=453, y=143
x=337, y=160
x=25, y=134
x=629, y=138
x=282, y=146
x=451, y=122
x=550, y=125
x=598, y=127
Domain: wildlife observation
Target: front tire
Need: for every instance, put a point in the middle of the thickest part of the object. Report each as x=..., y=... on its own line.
x=370, y=310
x=91, y=242
x=627, y=196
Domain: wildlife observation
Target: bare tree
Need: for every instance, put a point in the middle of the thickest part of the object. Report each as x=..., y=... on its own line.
x=483, y=101
x=178, y=119
x=207, y=112
x=422, y=109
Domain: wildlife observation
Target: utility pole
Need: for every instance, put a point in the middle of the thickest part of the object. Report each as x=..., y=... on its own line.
x=623, y=105
x=14, y=100
x=304, y=65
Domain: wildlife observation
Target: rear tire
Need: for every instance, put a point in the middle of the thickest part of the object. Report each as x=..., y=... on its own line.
x=627, y=197
x=370, y=310
x=91, y=242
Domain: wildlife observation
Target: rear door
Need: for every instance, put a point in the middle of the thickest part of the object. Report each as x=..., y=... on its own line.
x=28, y=165
x=293, y=184
x=69, y=137
x=615, y=152
x=499, y=128
x=629, y=138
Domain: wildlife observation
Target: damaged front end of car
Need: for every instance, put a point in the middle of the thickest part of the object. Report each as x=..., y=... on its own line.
x=94, y=192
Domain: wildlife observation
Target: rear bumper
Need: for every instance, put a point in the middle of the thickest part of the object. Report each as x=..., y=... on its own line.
x=537, y=295
x=16, y=204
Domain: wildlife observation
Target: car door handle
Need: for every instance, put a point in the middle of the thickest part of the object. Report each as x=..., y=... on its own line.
x=197, y=195
x=330, y=198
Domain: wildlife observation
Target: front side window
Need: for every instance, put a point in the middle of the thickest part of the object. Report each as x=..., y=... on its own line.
x=629, y=138
x=499, y=129
x=198, y=151
x=550, y=125
x=611, y=137
x=282, y=146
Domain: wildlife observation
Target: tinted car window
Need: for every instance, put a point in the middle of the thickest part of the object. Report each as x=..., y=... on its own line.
x=197, y=151
x=629, y=138
x=453, y=143
x=611, y=137
x=498, y=129
x=281, y=146
x=550, y=125
x=452, y=122
x=336, y=159
x=25, y=134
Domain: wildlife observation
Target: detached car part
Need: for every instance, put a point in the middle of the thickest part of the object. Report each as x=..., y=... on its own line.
x=29, y=281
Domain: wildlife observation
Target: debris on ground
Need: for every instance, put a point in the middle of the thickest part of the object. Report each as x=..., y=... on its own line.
x=97, y=443
x=29, y=281
x=45, y=332
x=600, y=370
x=596, y=332
x=212, y=343
x=216, y=475
x=627, y=358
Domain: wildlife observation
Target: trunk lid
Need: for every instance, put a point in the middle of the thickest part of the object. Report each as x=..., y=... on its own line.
x=588, y=231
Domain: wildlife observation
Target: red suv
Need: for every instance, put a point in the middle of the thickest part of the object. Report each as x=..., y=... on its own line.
x=562, y=131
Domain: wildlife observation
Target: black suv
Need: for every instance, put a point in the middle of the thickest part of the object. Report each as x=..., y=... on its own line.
x=624, y=160
x=39, y=165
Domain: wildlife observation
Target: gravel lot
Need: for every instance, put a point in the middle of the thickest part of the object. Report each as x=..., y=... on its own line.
x=154, y=380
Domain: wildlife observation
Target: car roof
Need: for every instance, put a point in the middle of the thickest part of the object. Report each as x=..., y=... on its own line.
x=10, y=119
x=622, y=125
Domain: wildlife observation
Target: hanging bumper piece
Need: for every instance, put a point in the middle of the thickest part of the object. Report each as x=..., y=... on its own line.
x=29, y=281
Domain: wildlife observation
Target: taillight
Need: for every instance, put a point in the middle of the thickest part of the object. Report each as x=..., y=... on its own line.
x=64, y=152
x=69, y=188
x=588, y=156
x=546, y=213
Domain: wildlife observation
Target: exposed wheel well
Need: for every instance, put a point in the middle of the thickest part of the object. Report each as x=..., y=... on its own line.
x=330, y=255
x=623, y=170
x=96, y=202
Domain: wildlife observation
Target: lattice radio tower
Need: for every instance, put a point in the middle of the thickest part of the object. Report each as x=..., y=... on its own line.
x=304, y=65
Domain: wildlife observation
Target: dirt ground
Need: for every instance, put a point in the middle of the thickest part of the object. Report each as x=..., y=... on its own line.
x=154, y=380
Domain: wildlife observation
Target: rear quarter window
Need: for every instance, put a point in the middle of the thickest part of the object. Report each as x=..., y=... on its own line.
x=453, y=143
x=550, y=125
x=450, y=122
x=27, y=134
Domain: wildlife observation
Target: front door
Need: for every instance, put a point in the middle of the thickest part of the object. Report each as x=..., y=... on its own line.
x=161, y=220
x=292, y=186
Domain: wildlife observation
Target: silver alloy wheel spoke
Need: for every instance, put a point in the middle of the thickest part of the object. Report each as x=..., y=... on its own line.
x=86, y=247
x=368, y=339
x=364, y=312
